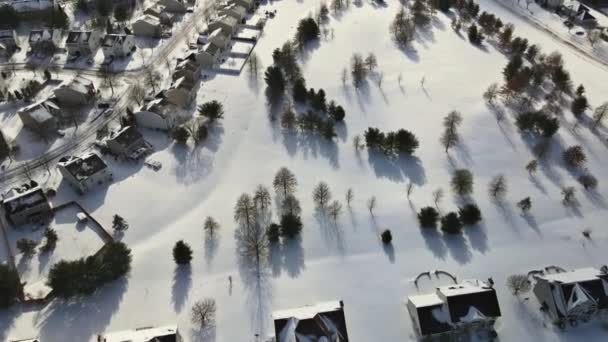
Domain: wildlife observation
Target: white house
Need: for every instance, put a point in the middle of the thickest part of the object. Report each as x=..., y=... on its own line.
x=147, y=26
x=572, y=296
x=8, y=42
x=26, y=204
x=229, y=25
x=233, y=10
x=181, y=93
x=85, y=172
x=157, y=114
x=468, y=305
x=320, y=322
x=40, y=117
x=208, y=55
x=79, y=91
x=47, y=40
x=168, y=333
x=82, y=43
x=219, y=39
x=128, y=142
x=118, y=45
x=29, y=5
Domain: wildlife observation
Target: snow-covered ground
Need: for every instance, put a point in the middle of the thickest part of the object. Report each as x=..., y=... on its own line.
x=344, y=261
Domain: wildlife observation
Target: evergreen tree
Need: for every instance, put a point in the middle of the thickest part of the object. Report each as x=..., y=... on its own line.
x=574, y=156
x=299, y=92
x=525, y=204
x=307, y=31
x=180, y=134
x=469, y=214
x=451, y=223
x=475, y=37
x=273, y=232
x=51, y=238
x=119, y=224
x=462, y=182
x=27, y=247
x=182, y=253
x=212, y=110
x=428, y=217
x=386, y=236
x=275, y=80
x=291, y=225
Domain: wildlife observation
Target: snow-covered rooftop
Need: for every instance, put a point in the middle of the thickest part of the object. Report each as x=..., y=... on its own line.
x=423, y=300
x=146, y=334
x=308, y=311
x=467, y=286
x=574, y=276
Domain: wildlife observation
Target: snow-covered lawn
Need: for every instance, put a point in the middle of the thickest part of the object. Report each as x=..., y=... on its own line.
x=344, y=260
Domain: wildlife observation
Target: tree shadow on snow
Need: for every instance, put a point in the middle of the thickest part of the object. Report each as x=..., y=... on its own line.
x=434, y=242
x=255, y=277
x=458, y=248
x=477, y=237
x=331, y=231
x=389, y=250
x=182, y=281
x=206, y=334
x=397, y=169
x=211, y=245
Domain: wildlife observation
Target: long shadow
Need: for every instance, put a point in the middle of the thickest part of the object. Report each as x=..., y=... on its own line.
x=389, y=250
x=458, y=248
x=211, y=246
x=256, y=280
x=434, y=242
x=206, y=334
x=332, y=232
x=477, y=237
x=80, y=319
x=397, y=169
x=293, y=256
x=182, y=281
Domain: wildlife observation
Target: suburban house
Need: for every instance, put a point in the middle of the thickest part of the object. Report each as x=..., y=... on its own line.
x=45, y=41
x=229, y=25
x=181, y=92
x=208, y=55
x=26, y=204
x=578, y=13
x=188, y=67
x=571, y=296
x=174, y=6
x=471, y=304
x=236, y=11
x=248, y=4
x=40, y=117
x=158, y=11
x=82, y=43
x=168, y=333
x=77, y=92
x=219, y=39
x=128, y=142
x=8, y=42
x=85, y=172
x=320, y=322
x=158, y=113
x=29, y=5
x=118, y=45
x=147, y=26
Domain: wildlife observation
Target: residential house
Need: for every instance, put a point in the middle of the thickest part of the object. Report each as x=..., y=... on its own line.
x=578, y=13
x=128, y=142
x=45, y=41
x=181, y=92
x=8, y=42
x=572, y=296
x=229, y=25
x=248, y=4
x=168, y=333
x=158, y=11
x=23, y=6
x=188, y=67
x=40, y=117
x=26, y=204
x=319, y=322
x=471, y=304
x=147, y=26
x=208, y=55
x=174, y=6
x=219, y=39
x=118, y=45
x=77, y=92
x=158, y=113
x=236, y=11
x=83, y=43
x=85, y=172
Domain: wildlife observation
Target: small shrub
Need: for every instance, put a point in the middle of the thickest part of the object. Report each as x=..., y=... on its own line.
x=574, y=156
x=386, y=236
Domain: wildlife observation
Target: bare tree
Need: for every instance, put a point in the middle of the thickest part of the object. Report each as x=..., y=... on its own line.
x=210, y=226
x=203, y=313
x=357, y=144
x=350, y=195
x=437, y=197
x=109, y=77
x=409, y=189
x=139, y=93
x=244, y=211
x=252, y=242
x=519, y=283
x=399, y=78
x=569, y=195
x=152, y=77
x=450, y=137
x=284, y=182
x=321, y=194
x=532, y=166
x=491, y=93
x=335, y=209
x=344, y=76
x=253, y=65
x=371, y=204
x=261, y=197
x=498, y=187
x=594, y=36
x=600, y=114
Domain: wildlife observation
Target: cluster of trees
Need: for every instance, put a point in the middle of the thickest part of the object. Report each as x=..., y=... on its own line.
x=308, y=31
x=537, y=122
x=322, y=196
x=27, y=247
x=452, y=222
x=85, y=275
x=361, y=68
x=309, y=122
x=197, y=128
x=403, y=28
x=391, y=143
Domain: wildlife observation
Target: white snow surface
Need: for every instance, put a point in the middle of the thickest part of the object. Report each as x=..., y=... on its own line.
x=344, y=261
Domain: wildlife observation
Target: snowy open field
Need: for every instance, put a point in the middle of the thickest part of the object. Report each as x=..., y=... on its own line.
x=344, y=261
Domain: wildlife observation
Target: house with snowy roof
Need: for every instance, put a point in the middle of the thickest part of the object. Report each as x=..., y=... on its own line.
x=319, y=322
x=578, y=13
x=470, y=304
x=45, y=41
x=248, y=4
x=40, y=117
x=209, y=55
x=147, y=26
x=82, y=43
x=187, y=67
x=85, y=172
x=8, y=42
x=128, y=142
x=219, y=39
x=181, y=92
x=174, y=6
x=229, y=25
x=26, y=204
x=572, y=296
x=118, y=45
x=233, y=10
x=157, y=113
x=76, y=92
x=158, y=11
x=168, y=333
